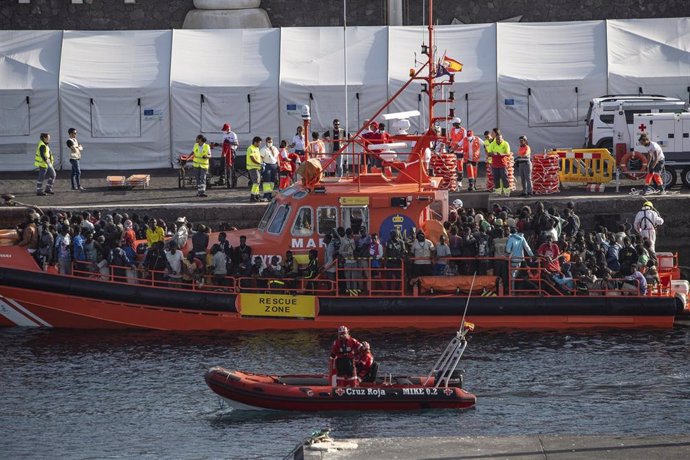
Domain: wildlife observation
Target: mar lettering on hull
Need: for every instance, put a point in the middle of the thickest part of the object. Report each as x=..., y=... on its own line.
x=277, y=305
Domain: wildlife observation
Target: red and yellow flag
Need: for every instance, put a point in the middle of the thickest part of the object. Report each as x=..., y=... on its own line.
x=452, y=65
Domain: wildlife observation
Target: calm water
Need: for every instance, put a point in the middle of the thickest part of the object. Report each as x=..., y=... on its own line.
x=141, y=394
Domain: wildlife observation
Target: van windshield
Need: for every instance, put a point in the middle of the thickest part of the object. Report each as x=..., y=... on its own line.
x=267, y=215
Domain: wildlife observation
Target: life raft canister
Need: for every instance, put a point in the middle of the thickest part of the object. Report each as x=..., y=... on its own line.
x=634, y=173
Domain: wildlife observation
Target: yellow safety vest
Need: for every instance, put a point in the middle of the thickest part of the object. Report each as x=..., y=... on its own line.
x=502, y=149
x=201, y=156
x=38, y=159
x=253, y=157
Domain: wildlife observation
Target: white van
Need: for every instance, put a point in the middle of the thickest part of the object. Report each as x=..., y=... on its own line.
x=599, y=121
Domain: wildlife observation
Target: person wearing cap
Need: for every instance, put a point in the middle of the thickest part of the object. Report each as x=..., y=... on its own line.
x=646, y=221
x=228, y=147
x=43, y=160
x=523, y=162
x=655, y=165
x=343, y=354
x=472, y=149
x=75, y=151
x=202, y=154
x=457, y=144
x=422, y=250
x=181, y=233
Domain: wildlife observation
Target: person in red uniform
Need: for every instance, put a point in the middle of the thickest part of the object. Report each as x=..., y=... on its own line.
x=457, y=143
x=364, y=362
x=343, y=352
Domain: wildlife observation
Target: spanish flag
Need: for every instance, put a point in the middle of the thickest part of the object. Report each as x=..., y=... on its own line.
x=452, y=65
x=469, y=326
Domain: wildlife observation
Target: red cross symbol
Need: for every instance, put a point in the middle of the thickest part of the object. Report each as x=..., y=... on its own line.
x=340, y=391
x=448, y=391
x=642, y=127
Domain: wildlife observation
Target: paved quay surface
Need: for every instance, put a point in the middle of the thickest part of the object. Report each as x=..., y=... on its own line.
x=513, y=447
x=163, y=198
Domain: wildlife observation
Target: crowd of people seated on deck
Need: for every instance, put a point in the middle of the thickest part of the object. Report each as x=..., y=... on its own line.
x=530, y=250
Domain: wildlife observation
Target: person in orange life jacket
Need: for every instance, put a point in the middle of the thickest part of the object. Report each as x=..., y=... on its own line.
x=343, y=352
x=366, y=367
x=500, y=155
x=471, y=148
x=457, y=138
x=202, y=154
x=286, y=166
x=524, y=166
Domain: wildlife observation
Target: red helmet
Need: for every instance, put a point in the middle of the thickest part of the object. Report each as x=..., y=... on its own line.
x=226, y=127
x=342, y=330
x=364, y=346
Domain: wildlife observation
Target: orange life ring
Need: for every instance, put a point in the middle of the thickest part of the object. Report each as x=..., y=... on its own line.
x=625, y=161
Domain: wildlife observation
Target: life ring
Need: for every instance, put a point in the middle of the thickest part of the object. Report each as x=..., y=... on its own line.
x=625, y=162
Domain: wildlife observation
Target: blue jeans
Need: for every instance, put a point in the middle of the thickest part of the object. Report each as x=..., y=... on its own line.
x=76, y=174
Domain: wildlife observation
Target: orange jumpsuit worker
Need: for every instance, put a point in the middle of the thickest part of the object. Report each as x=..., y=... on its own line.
x=472, y=147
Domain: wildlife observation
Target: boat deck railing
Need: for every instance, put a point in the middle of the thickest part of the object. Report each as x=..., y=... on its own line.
x=496, y=277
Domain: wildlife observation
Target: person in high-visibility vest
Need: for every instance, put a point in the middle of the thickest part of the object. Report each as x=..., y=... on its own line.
x=457, y=138
x=202, y=154
x=524, y=165
x=44, y=162
x=472, y=147
x=500, y=155
x=254, y=168
x=488, y=143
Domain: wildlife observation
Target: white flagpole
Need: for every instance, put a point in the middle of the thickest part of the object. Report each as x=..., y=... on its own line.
x=347, y=127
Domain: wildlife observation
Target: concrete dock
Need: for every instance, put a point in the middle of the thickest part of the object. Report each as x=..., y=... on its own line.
x=553, y=447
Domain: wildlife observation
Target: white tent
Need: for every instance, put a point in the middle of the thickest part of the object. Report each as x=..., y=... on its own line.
x=115, y=90
x=475, y=87
x=312, y=73
x=29, y=71
x=547, y=74
x=224, y=76
x=650, y=56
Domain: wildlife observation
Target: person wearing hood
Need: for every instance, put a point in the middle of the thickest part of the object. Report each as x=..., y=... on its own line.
x=182, y=233
x=646, y=222
x=517, y=247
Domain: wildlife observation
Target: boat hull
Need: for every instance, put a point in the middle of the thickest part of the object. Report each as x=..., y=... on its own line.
x=310, y=393
x=35, y=298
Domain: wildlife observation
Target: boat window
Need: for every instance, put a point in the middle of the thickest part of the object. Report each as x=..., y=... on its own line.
x=278, y=221
x=267, y=215
x=303, y=225
x=300, y=194
x=326, y=219
x=289, y=191
x=355, y=217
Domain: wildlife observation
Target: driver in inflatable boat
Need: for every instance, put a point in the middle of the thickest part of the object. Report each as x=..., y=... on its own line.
x=366, y=367
x=343, y=353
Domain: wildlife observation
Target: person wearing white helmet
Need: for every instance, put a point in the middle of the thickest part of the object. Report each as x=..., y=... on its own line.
x=457, y=203
x=366, y=367
x=646, y=222
x=457, y=144
x=343, y=355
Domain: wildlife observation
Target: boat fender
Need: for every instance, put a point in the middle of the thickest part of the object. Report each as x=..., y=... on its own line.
x=681, y=302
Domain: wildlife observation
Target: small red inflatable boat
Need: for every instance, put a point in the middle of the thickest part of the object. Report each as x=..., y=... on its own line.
x=244, y=390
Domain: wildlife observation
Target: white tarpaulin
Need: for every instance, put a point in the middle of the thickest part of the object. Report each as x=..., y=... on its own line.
x=115, y=90
x=311, y=73
x=547, y=74
x=29, y=71
x=475, y=87
x=224, y=76
x=649, y=55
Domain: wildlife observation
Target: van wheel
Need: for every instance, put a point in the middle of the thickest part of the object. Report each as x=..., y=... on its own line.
x=670, y=177
x=606, y=144
x=685, y=177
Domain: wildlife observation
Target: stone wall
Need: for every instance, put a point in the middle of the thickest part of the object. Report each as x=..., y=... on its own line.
x=167, y=14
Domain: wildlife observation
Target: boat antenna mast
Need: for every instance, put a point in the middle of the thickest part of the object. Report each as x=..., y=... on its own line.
x=448, y=361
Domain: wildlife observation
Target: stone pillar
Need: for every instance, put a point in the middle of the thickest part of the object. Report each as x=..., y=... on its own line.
x=227, y=14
